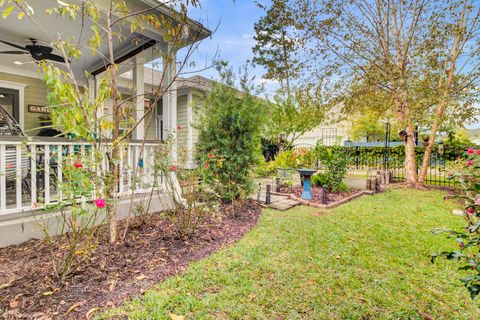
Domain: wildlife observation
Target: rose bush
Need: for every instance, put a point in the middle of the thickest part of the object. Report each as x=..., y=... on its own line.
x=468, y=239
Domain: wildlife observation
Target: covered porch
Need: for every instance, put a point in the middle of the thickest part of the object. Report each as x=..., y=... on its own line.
x=31, y=161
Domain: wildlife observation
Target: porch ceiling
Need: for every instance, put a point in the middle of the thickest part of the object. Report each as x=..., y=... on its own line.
x=52, y=27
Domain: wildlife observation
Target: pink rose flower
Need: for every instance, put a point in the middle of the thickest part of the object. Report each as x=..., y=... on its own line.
x=78, y=165
x=100, y=203
x=174, y=168
x=9, y=166
x=477, y=201
x=179, y=127
x=461, y=245
x=471, y=151
x=478, y=152
x=469, y=163
x=470, y=210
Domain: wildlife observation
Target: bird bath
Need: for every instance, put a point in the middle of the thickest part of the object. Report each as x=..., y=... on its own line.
x=305, y=174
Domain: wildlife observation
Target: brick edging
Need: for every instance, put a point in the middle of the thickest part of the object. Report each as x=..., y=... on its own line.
x=331, y=205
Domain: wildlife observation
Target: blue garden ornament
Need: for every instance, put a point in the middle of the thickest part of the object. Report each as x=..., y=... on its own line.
x=305, y=175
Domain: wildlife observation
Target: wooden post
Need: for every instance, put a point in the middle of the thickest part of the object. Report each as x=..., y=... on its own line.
x=378, y=183
x=324, y=195
x=277, y=184
x=268, y=198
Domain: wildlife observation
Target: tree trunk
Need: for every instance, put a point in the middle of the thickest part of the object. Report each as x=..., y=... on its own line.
x=410, y=162
x=112, y=181
x=431, y=143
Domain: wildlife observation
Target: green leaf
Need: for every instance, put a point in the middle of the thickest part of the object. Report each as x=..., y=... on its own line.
x=7, y=11
x=474, y=228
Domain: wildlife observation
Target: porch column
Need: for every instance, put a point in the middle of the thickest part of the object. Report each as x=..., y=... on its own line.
x=139, y=100
x=92, y=88
x=190, y=129
x=169, y=100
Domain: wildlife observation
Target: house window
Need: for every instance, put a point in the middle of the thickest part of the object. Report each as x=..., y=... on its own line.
x=9, y=100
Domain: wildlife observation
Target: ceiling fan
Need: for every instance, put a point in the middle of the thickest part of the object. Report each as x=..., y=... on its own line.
x=38, y=52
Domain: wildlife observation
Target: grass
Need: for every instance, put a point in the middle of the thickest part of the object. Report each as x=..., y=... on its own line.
x=368, y=259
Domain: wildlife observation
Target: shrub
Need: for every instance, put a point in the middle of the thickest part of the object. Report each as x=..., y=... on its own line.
x=334, y=164
x=321, y=179
x=194, y=202
x=77, y=217
x=468, y=238
x=230, y=125
x=294, y=159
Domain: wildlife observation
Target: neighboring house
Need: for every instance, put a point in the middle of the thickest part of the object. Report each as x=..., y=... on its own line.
x=474, y=135
x=334, y=130
x=24, y=96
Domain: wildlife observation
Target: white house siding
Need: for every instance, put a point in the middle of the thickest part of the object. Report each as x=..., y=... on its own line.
x=182, y=123
x=197, y=105
x=321, y=134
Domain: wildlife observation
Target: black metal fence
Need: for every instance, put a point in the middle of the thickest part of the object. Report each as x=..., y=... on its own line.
x=365, y=160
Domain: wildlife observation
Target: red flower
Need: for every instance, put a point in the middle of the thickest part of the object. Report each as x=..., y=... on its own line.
x=469, y=163
x=478, y=152
x=174, y=168
x=78, y=165
x=179, y=127
x=470, y=210
x=100, y=203
x=471, y=151
x=207, y=164
x=461, y=245
x=210, y=155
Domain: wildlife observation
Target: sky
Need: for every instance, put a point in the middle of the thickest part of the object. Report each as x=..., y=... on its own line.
x=232, y=24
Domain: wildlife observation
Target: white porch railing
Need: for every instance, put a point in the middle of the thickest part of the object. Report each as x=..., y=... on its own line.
x=32, y=171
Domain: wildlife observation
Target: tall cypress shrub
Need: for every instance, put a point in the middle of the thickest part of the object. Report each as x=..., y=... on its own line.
x=230, y=125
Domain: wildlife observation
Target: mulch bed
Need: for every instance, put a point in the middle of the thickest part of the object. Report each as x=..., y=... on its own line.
x=150, y=253
x=317, y=194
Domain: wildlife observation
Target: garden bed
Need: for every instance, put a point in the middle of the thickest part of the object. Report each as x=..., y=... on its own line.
x=317, y=194
x=333, y=198
x=150, y=253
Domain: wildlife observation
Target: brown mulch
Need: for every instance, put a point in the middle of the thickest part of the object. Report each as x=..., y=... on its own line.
x=150, y=253
x=317, y=193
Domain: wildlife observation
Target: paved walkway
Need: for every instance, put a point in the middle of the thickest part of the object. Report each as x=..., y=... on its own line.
x=277, y=201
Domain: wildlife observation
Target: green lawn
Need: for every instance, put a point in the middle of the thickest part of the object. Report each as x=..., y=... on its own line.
x=368, y=259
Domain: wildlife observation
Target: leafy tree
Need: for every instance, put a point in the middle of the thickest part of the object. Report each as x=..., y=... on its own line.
x=422, y=54
x=230, y=127
x=293, y=115
x=298, y=107
x=276, y=47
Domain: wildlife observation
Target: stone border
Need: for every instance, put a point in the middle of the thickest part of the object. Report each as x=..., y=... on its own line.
x=331, y=205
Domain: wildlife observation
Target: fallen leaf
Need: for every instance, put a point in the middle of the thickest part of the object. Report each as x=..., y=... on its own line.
x=113, y=284
x=73, y=307
x=140, y=277
x=176, y=317
x=6, y=285
x=425, y=316
x=49, y=293
x=14, y=304
x=89, y=313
